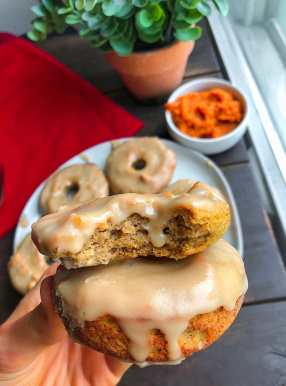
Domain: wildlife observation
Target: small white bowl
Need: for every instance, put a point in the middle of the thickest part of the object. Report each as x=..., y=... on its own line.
x=208, y=145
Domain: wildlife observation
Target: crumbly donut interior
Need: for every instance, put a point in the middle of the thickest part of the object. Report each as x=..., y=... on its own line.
x=186, y=233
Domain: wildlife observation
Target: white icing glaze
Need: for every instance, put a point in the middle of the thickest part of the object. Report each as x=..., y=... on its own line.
x=182, y=186
x=88, y=178
x=159, y=162
x=70, y=228
x=154, y=294
x=26, y=266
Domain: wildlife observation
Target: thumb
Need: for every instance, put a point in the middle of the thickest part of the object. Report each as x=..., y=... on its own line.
x=26, y=337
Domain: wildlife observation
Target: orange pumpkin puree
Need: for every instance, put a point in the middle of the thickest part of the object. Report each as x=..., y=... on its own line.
x=208, y=114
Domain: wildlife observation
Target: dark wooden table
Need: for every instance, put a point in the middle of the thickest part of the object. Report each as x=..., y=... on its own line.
x=253, y=350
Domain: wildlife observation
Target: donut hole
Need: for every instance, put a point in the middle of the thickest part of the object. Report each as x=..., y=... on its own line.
x=71, y=191
x=139, y=164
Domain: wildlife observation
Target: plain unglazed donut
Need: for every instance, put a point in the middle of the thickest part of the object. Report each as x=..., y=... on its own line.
x=125, y=174
x=26, y=266
x=87, y=178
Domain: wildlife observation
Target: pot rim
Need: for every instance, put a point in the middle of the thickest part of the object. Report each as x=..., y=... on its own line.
x=148, y=52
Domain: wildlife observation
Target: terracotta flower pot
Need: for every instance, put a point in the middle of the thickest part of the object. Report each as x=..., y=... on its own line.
x=152, y=75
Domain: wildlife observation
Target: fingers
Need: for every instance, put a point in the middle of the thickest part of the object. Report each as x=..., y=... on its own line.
x=24, y=338
x=32, y=298
x=117, y=367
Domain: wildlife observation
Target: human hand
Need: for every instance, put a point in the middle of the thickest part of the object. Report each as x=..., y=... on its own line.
x=36, y=350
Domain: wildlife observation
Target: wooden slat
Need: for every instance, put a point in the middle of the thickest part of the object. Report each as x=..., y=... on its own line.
x=264, y=266
x=85, y=60
x=203, y=60
x=252, y=352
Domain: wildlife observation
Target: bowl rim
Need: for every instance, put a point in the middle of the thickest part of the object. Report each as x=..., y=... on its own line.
x=240, y=127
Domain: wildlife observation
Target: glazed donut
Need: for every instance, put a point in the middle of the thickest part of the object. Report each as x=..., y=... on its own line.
x=132, y=224
x=153, y=311
x=183, y=186
x=143, y=165
x=26, y=266
x=88, y=179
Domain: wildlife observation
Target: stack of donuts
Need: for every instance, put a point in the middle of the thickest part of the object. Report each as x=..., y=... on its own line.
x=145, y=275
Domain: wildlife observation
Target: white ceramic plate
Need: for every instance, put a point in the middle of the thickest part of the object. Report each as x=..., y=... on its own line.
x=190, y=165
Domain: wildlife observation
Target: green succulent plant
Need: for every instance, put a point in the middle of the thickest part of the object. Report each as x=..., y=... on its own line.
x=124, y=25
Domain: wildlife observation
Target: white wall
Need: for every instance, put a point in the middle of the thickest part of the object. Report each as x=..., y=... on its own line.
x=15, y=16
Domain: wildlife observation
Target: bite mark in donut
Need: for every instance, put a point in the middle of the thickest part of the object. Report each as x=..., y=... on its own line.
x=132, y=224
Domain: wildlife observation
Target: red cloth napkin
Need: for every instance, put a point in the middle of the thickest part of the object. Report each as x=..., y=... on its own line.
x=47, y=115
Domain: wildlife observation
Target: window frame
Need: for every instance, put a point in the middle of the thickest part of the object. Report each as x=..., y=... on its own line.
x=268, y=150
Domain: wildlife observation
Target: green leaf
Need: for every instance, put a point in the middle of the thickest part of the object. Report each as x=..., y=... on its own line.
x=69, y=4
x=106, y=47
x=64, y=11
x=34, y=35
x=96, y=23
x=160, y=22
x=89, y=5
x=107, y=3
x=191, y=16
x=91, y=35
x=189, y=34
x=128, y=33
x=182, y=25
x=39, y=10
x=153, y=30
x=140, y=3
x=72, y=19
x=129, y=14
x=155, y=11
x=149, y=38
x=87, y=16
x=143, y=19
x=48, y=4
x=40, y=25
x=121, y=3
x=121, y=46
x=108, y=30
x=222, y=6
x=204, y=8
x=79, y=4
x=84, y=31
x=122, y=26
x=125, y=10
x=98, y=42
x=111, y=10
x=195, y=2
x=60, y=29
x=187, y=4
